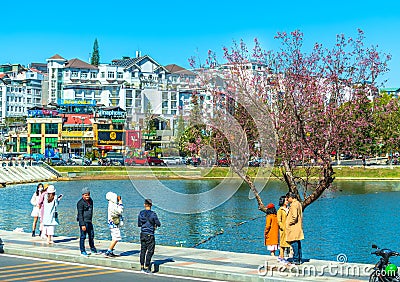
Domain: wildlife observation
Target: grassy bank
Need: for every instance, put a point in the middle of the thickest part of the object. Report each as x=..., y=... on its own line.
x=98, y=172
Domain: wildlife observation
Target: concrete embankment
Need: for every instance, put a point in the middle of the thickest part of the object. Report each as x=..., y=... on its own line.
x=188, y=262
x=17, y=172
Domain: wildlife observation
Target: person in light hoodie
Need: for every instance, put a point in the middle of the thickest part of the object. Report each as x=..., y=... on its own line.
x=115, y=220
x=50, y=214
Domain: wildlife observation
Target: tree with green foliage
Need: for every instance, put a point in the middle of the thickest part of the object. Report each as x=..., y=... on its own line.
x=149, y=124
x=95, y=59
x=386, y=124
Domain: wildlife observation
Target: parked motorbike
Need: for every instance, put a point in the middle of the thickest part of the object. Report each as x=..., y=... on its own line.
x=384, y=270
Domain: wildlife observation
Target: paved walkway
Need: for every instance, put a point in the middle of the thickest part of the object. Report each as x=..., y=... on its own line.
x=188, y=262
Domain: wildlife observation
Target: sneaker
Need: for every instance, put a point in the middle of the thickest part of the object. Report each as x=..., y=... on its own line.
x=94, y=251
x=146, y=271
x=282, y=260
x=109, y=254
x=33, y=233
x=85, y=254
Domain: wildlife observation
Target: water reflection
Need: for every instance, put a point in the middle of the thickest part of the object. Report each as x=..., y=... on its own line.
x=346, y=220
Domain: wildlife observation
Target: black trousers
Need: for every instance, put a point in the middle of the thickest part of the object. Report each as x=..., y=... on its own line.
x=147, y=244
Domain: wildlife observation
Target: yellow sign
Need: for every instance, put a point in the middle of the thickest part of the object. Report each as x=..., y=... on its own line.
x=113, y=135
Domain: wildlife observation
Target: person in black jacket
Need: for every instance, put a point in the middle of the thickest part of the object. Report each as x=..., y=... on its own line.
x=85, y=214
x=148, y=222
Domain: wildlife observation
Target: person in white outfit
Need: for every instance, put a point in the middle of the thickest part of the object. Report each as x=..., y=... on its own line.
x=35, y=203
x=50, y=214
x=115, y=220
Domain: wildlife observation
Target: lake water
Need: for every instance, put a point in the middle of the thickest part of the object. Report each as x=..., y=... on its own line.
x=346, y=220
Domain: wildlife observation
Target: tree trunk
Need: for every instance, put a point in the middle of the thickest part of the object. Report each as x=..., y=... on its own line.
x=248, y=180
x=289, y=179
x=323, y=184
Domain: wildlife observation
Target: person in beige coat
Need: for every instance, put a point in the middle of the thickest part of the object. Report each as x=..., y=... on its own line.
x=294, y=227
x=281, y=216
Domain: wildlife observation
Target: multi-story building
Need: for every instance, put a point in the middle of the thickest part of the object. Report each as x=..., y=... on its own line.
x=20, y=89
x=140, y=86
x=55, y=66
x=40, y=134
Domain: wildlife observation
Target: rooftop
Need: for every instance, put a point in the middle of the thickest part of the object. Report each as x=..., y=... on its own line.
x=79, y=64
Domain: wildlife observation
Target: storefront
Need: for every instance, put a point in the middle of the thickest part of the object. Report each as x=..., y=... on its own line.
x=109, y=130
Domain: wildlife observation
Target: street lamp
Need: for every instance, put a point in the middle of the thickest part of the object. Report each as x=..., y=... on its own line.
x=30, y=144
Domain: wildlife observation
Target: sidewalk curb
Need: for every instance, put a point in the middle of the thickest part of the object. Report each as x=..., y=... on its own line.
x=99, y=260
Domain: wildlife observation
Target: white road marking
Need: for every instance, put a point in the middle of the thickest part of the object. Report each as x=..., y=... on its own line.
x=112, y=268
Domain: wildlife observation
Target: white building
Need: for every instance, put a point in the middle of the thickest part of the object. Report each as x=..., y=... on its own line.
x=19, y=91
x=134, y=84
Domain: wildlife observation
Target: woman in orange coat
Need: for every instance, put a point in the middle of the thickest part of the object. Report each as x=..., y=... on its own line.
x=271, y=232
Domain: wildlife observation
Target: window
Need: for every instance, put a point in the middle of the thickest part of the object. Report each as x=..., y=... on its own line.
x=110, y=74
x=36, y=128
x=74, y=74
x=120, y=75
x=23, y=144
x=51, y=142
x=93, y=75
x=51, y=128
x=37, y=142
x=103, y=74
x=84, y=75
x=103, y=126
x=173, y=95
x=165, y=95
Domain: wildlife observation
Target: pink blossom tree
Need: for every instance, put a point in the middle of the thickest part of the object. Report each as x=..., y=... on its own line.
x=301, y=106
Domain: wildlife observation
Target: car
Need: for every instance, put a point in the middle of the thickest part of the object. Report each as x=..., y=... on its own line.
x=56, y=161
x=171, y=160
x=223, y=162
x=115, y=158
x=155, y=161
x=77, y=160
x=135, y=161
x=193, y=161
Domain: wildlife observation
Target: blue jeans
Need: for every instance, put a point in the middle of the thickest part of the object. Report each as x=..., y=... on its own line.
x=90, y=232
x=297, y=253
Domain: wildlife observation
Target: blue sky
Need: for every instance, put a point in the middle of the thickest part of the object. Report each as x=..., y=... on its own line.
x=173, y=31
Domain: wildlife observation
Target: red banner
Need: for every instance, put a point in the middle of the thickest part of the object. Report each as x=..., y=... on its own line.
x=133, y=139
